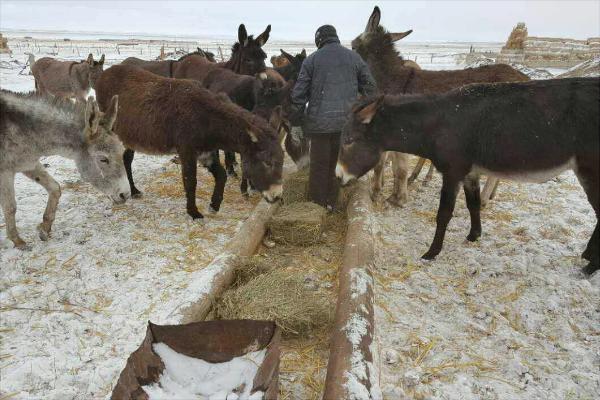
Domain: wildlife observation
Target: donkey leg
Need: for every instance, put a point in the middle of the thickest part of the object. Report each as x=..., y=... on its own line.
x=589, y=180
x=429, y=175
x=377, y=178
x=188, y=172
x=399, y=196
x=230, y=163
x=9, y=208
x=127, y=160
x=471, y=188
x=41, y=176
x=213, y=165
x=447, y=201
x=417, y=170
x=486, y=194
x=493, y=195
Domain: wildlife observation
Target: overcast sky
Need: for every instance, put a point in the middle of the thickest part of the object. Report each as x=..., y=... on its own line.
x=474, y=20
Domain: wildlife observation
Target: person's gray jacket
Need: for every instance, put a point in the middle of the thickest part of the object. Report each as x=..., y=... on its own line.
x=330, y=81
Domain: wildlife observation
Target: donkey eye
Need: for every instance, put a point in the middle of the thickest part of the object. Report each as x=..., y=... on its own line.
x=104, y=160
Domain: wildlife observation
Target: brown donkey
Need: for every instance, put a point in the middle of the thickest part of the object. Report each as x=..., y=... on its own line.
x=525, y=131
x=396, y=76
x=67, y=79
x=165, y=116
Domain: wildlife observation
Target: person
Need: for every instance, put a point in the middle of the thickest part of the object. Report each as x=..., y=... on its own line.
x=330, y=81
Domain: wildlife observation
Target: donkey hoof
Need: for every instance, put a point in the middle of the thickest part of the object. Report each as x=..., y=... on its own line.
x=473, y=236
x=43, y=233
x=195, y=214
x=232, y=173
x=21, y=244
x=397, y=201
x=430, y=255
x=213, y=210
x=590, y=269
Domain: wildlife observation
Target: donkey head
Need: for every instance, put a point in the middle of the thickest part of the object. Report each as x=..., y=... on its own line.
x=263, y=159
x=247, y=55
x=361, y=147
x=295, y=62
x=375, y=36
x=95, y=69
x=101, y=161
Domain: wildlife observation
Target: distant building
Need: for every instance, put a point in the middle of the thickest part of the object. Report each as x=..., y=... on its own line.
x=535, y=52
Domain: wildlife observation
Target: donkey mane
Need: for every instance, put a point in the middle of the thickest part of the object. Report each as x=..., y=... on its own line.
x=59, y=104
x=206, y=54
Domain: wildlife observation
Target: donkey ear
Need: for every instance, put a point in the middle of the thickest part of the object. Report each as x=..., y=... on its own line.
x=91, y=118
x=400, y=35
x=90, y=59
x=373, y=21
x=263, y=37
x=288, y=56
x=110, y=116
x=242, y=35
x=101, y=60
x=303, y=53
x=278, y=123
x=365, y=114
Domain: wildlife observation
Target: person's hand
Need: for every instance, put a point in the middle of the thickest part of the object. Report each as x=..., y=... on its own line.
x=296, y=115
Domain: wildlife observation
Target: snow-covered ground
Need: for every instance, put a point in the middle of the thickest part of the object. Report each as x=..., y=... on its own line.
x=507, y=317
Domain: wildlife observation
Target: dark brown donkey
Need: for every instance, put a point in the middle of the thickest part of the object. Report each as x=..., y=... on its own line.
x=396, y=76
x=67, y=79
x=247, y=58
x=164, y=116
x=529, y=131
x=168, y=67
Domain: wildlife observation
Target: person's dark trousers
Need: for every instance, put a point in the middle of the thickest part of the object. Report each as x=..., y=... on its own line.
x=323, y=186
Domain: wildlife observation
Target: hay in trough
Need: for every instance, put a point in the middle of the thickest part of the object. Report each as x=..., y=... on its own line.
x=281, y=296
x=299, y=224
x=295, y=187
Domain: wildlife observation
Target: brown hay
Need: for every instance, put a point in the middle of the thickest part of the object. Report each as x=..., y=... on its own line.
x=280, y=296
x=300, y=224
x=295, y=187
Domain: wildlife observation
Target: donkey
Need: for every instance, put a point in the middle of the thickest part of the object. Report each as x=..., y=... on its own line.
x=165, y=116
x=529, y=131
x=166, y=68
x=291, y=70
x=395, y=75
x=33, y=126
x=67, y=79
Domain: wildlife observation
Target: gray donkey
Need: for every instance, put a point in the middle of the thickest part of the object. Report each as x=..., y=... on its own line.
x=66, y=79
x=33, y=126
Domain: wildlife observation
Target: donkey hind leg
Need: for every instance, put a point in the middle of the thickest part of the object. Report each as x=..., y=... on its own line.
x=589, y=180
x=399, y=196
x=471, y=188
x=41, y=176
x=211, y=162
x=230, y=163
x=491, y=184
x=429, y=175
x=450, y=187
x=9, y=208
x=188, y=172
x=417, y=170
x=377, y=178
x=127, y=160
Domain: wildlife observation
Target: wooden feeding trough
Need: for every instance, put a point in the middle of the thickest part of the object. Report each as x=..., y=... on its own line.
x=220, y=350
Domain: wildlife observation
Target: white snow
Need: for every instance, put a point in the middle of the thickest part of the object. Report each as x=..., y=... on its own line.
x=507, y=317
x=186, y=377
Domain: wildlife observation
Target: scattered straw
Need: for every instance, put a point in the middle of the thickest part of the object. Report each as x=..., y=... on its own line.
x=280, y=296
x=298, y=223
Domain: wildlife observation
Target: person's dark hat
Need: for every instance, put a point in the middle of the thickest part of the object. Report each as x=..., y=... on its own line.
x=324, y=34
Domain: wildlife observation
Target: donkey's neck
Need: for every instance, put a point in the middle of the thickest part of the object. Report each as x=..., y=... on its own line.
x=412, y=134
x=81, y=74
